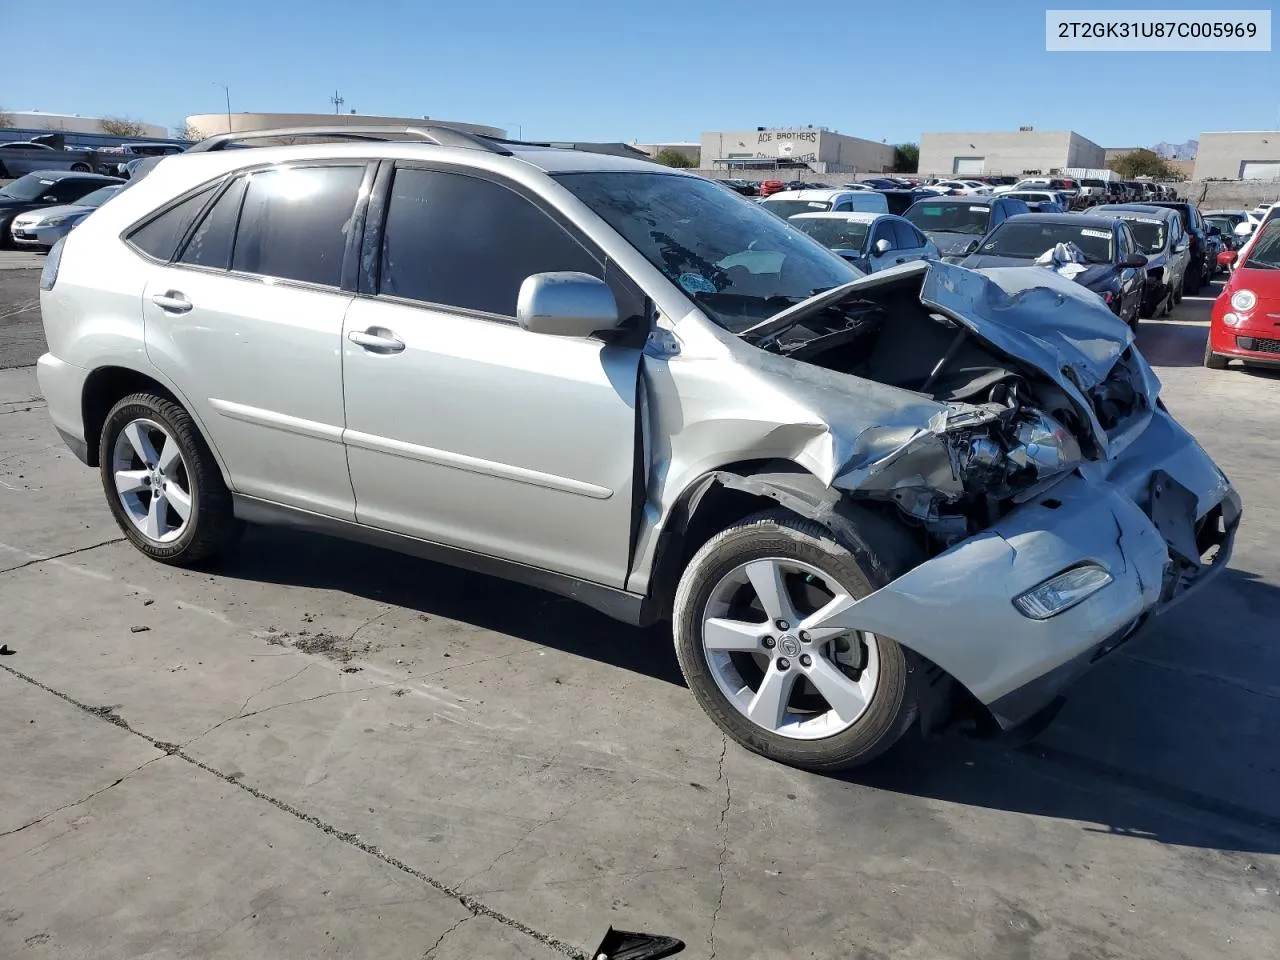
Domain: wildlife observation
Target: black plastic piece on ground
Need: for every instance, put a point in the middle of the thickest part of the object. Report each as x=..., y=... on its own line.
x=625, y=945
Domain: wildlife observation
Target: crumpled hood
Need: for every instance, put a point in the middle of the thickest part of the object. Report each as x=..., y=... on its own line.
x=1095, y=276
x=1034, y=315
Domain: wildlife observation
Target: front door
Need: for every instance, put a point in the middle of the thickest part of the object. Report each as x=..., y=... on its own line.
x=462, y=427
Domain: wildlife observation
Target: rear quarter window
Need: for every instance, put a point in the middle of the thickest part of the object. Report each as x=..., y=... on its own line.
x=159, y=237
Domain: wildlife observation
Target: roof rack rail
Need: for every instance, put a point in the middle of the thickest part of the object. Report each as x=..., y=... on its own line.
x=430, y=133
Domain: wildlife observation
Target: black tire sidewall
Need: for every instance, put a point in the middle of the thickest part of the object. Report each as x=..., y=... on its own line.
x=210, y=501
x=892, y=705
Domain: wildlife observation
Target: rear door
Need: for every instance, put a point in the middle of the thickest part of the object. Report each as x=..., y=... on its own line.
x=462, y=427
x=248, y=318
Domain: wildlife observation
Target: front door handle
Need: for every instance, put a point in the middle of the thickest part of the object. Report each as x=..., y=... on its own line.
x=375, y=341
x=172, y=302
x=901, y=260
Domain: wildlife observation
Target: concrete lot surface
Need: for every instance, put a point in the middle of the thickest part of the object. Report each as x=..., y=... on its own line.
x=315, y=749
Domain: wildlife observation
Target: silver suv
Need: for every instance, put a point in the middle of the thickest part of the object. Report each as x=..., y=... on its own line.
x=866, y=504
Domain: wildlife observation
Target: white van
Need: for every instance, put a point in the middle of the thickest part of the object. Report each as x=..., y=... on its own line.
x=790, y=202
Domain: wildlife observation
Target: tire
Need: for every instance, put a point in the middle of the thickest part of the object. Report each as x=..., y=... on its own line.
x=80, y=168
x=188, y=474
x=1214, y=361
x=883, y=673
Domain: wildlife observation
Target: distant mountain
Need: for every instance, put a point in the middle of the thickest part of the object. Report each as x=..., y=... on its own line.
x=1177, y=151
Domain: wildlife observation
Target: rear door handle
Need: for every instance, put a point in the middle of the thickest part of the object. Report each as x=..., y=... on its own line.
x=172, y=302
x=384, y=342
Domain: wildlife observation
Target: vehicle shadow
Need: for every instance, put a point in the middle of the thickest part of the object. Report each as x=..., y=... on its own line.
x=1080, y=780
x=1159, y=741
x=1172, y=343
x=296, y=558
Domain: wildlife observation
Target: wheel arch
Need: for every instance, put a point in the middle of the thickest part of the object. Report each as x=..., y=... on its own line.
x=729, y=493
x=884, y=548
x=105, y=386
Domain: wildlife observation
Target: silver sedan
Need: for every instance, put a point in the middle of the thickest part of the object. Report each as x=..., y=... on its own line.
x=44, y=228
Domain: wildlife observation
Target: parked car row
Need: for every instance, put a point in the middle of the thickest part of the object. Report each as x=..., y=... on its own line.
x=40, y=208
x=20, y=157
x=1140, y=258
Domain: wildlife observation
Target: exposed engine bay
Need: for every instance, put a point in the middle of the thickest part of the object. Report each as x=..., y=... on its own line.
x=1008, y=432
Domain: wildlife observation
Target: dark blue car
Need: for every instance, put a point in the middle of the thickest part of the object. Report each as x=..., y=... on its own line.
x=1114, y=268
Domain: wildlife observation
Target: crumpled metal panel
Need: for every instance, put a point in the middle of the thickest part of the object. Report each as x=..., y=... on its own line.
x=716, y=400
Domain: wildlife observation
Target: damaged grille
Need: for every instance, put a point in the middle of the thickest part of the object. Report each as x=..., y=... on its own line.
x=1258, y=344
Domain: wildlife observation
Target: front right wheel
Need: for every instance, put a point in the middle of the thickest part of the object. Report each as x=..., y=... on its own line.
x=767, y=642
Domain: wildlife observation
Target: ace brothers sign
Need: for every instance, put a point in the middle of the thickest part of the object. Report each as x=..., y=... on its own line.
x=796, y=145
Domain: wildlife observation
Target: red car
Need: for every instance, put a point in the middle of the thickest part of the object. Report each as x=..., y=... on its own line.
x=1246, y=317
x=769, y=187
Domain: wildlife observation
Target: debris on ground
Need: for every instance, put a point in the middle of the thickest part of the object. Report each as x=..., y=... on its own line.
x=5, y=651
x=139, y=629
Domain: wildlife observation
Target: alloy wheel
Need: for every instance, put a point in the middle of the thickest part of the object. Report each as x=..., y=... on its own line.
x=152, y=480
x=777, y=644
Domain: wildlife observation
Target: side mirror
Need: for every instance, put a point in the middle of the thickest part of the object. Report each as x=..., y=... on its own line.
x=49, y=198
x=566, y=304
x=972, y=247
x=1243, y=229
x=1134, y=260
x=882, y=247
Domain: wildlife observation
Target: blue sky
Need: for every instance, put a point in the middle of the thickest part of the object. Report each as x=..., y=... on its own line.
x=658, y=70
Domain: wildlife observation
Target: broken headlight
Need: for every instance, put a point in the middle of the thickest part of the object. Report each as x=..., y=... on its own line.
x=1014, y=451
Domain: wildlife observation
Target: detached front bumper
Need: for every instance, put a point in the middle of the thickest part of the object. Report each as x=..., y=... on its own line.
x=1161, y=520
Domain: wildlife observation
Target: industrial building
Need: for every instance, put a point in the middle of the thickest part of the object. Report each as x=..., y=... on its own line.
x=208, y=124
x=815, y=148
x=72, y=123
x=1239, y=155
x=1024, y=152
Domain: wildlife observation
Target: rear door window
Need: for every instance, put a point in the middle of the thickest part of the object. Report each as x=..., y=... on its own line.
x=160, y=237
x=295, y=221
x=210, y=245
x=71, y=189
x=461, y=241
x=905, y=236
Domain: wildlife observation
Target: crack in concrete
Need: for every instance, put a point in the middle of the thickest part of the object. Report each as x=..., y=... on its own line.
x=555, y=818
x=240, y=714
x=75, y=803
x=431, y=950
x=470, y=903
x=724, y=844
x=58, y=556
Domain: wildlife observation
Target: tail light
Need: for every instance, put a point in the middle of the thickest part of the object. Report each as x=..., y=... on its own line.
x=49, y=275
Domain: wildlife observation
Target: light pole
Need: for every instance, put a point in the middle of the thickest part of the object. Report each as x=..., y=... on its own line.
x=227, y=91
x=519, y=130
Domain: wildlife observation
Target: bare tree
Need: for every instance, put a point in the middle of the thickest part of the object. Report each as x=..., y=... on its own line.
x=188, y=132
x=122, y=127
x=6, y=119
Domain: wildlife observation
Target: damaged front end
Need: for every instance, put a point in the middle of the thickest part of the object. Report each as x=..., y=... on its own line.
x=1032, y=380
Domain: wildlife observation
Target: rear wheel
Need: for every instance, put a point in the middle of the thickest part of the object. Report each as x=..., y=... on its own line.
x=766, y=642
x=162, y=483
x=1214, y=361
x=80, y=168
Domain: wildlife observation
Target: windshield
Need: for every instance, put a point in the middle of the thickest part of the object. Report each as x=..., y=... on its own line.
x=1029, y=240
x=29, y=187
x=789, y=208
x=834, y=232
x=741, y=264
x=1224, y=224
x=1148, y=231
x=950, y=218
x=1265, y=254
x=98, y=197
